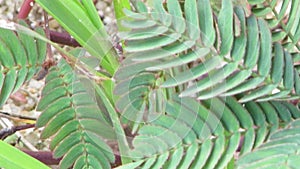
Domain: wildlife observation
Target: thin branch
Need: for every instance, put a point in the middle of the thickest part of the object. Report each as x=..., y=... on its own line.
x=25, y=9
x=14, y=116
x=45, y=157
x=5, y=132
x=63, y=38
x=47, y=32
x=50, y=60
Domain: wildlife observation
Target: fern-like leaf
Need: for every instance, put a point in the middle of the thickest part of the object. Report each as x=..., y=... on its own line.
x=140, y=99
x=206, y=135
x=280, y=151
x=236, y=55
x=283, y=18
x=70, y=112
x=21, y=56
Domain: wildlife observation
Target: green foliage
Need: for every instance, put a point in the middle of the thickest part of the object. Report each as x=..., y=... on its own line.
x=71, y=113
x=140, y=99
x=21, y=56
x=81, y=20
x=189, y=50
x=277, y=152
x=235, y=57
x=11, y=157
x=283, y=20
x=119, y=5
x=204, y=84
x=206, y=135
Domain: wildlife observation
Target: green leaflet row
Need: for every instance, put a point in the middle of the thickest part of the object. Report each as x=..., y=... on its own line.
x=206, y=56
x=21, y=57
x=192, y=135
x=283, y=19
x=71, y=113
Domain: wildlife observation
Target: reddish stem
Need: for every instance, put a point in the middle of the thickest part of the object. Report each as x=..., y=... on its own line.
x=25, y=9
x=5, y=132
x=45, y=157
x=63, y=38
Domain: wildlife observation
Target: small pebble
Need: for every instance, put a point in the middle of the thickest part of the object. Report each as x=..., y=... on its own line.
x=101, y=5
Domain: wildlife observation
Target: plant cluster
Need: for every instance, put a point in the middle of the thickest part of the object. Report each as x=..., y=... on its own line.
x=199, y=84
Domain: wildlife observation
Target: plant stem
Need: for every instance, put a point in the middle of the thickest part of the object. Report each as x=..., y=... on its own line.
x=25, y=9
x=63, y=38
x=121, y=136
x=14, y=116
x=5, y=132
x=47, y=31
x=72, y=59
x=45, y=157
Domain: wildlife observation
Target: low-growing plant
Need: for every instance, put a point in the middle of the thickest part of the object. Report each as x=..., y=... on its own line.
x=197, y=84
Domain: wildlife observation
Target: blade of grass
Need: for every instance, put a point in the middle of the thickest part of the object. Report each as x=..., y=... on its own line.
x=11, y=157
x=119, y=6
x=74, y=61
x=83, y=23
x=121, y=136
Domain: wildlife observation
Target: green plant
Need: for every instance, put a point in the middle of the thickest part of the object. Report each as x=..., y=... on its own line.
x=14, y=158
x=203, y=85
x=21, y=57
